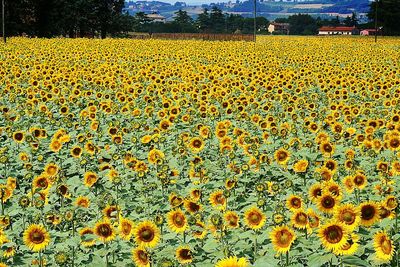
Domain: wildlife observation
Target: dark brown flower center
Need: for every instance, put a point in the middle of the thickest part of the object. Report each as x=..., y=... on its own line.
x=333, y=234
x=367, y=212
x=37, y=237
x=105, y=230
x=328, y=202
x=146, y=235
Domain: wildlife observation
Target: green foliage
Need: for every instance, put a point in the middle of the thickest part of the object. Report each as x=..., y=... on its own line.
x=388, y=15
x=47, y=18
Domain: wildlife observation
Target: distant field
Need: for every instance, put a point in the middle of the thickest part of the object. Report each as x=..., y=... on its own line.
x=313, y=6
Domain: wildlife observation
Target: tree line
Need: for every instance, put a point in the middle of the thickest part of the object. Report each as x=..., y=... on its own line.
x=47, y=18
x=89, y=18
x=209, y=21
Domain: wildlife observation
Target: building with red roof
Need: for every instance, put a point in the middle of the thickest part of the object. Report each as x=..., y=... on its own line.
x=340, y=30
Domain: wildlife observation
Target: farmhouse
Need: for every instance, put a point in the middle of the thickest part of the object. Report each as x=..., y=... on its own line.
x=370, y=32
x=278, y=28
x=341, y=30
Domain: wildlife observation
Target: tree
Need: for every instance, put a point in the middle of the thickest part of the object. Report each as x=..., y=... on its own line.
x=183, y=22
x=141, y=22
x=217, y=20
x=388, y=15
x=302, y=24
x=203, y=21
x=234, y=23
x=351, y=21
x=106, y=13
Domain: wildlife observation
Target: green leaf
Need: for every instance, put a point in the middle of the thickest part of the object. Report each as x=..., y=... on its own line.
x=317, y=260
x=355, y=261
x=266, y=261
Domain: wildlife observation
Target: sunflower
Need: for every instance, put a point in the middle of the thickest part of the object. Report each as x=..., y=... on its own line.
x=369, y=213
x=19, y=137
x=360, y=180
x=313, y=219
x=301, y=166
x=282, y=156
x=141, y=257
x=390, y=202
x=218, y=200
x=282, y=238
x=348, y=184
x=326, y=148
x=90, y=148
x=350, y=247
x=146, y=234
x=155, y=156
x=85, y=240
x=395, y=167
x=9, y=252
x=333, y=188
x=394, y=143
x=55, y=146
x=82, y=201
x=294, y=202
x=231, y=219
x=384, y=247
x=105, y=231
x=199, y=230
x=36, y=237
x=90, y=178
x=51, y=169
x=184, y=255
x=299, y=219
x=177, y=221
x=315, y=192
x=111, y=211
x=145, y=139
x=348, y=214
x=175, y=200
x=230, y=184
x=333, y=235
x=42, y=182
x=191, y=206
x=232, y=262
x=196, y=144
x=125, y=228
x=254, y=218
x=76, y=152
x=326, y=203
x=325, y=173
x=165, y=124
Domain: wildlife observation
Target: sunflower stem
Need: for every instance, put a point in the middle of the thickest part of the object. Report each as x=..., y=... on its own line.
x=73, y=248
x=255, y=246
x=287, y=258
x=357, y=196
x=40, y=259
x=106, y=254
x=2, y=202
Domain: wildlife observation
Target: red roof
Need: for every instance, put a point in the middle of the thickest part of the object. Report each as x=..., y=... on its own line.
x=371, y=30
x=337, y=29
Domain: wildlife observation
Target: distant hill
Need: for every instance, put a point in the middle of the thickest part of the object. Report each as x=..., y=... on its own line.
x=270, y=9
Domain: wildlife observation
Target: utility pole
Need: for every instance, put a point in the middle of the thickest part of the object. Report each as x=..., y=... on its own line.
x=3, y=20
x=376, y=21
x=255, y=24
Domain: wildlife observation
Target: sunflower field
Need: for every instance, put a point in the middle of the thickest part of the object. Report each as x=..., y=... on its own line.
x=191, y=153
